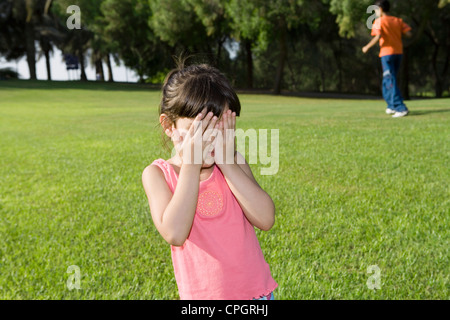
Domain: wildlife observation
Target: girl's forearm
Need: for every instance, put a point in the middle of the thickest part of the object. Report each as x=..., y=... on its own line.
x=257, y=205
x=179, y=214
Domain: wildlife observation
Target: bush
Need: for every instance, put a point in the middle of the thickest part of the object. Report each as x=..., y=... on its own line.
x=7, y=74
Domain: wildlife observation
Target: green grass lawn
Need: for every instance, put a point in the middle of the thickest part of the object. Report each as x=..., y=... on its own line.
x=355, y=188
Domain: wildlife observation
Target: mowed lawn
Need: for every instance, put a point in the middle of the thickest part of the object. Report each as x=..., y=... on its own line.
x=355, y=188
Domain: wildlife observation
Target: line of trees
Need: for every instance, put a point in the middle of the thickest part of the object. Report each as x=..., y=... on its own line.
x=312, y=45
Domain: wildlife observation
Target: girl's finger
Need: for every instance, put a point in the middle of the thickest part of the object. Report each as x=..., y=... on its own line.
x=212, y=123
x=225, y=121
x=202, y=115
x=196, y=124
x=203, y=125
x=210, y=129
x=206, y=121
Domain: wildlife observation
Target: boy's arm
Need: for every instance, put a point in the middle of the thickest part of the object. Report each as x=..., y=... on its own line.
x=406, y=30
x=373, y=42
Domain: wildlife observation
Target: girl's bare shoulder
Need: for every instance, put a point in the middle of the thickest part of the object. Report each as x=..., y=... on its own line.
x=151, y=174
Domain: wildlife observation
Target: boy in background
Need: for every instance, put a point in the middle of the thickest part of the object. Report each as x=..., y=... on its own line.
x=389, y=35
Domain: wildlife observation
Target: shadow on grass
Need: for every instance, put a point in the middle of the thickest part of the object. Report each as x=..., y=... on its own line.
x=129, y=86
x=424, y=112
x=83, y=85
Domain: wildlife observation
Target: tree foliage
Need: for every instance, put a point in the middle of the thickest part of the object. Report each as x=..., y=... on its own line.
x=312, y=45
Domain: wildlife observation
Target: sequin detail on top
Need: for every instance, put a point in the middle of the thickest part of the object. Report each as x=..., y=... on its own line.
x=210, y=203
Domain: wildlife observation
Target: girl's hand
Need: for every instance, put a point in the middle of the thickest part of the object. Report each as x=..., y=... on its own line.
x=224, y=148
x=194, y=145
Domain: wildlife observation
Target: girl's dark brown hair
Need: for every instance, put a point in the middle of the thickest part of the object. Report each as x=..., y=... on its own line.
x=188, y=90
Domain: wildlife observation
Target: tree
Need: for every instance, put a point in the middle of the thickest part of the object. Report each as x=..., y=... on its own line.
x=349, y=14
x=433, y=22
x=246, y=26
x=127, y=30
x=213, y=16
x=77, y=41
x=11, y=45
x=90, y=36
x=176, y=23
x=26, y=18
x=48, y=34
x=269, y=21
x=95, y=22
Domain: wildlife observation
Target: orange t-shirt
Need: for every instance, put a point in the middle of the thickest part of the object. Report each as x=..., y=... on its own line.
x=391, y=30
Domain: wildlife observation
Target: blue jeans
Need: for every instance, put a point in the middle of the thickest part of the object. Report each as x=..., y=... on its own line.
x=391, y=92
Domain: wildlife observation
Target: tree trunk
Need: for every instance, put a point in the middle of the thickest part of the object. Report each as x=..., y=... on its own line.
x=337, y=56
x=322, y=75
x=282, y=58
x=404, y=74
x=293, y=74
x=438, y=81
x=219, y=51
x=47, y=62
x=48, y=3
x=444, y=74
x=209, y=54
x=31, y=50
x=99, y=74
x=440, y=78
x=82, y=67
x=248, y=49
x=140, y=72
x=108, y=64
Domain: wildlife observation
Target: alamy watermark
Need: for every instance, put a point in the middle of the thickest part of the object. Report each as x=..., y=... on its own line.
x=74, y=21
x=374, y=281
x=257, y=142
x=74, y=281
x=376, y=14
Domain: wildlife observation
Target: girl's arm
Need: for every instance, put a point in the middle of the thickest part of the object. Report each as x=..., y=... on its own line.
x=257, y=205
x=172, y=215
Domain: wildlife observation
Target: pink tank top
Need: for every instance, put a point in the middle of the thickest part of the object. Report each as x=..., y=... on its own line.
x=221, y=258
